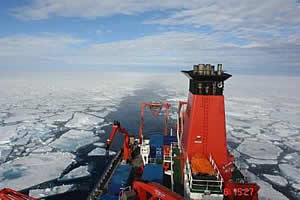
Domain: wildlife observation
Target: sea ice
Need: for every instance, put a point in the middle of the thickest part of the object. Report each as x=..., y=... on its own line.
x=84, y=121
x=4, y=152
x=100, y=152
x=28, y=171
x=239, y=133
x=21, y=115
x=296, y=186
x=6, y=133
x=284, y=129
x=262, y=161
x=33, y=134
x=99, y=144
x=3, y=115
x=266, y=191
x=42, y=149
x=61, y=117
x=294, y=159
x=269, y=136
x=294, y=143
x=74, y=139
x=77, y=173
x=290, y=172
x=259, y=150
x=39, y=193
x=278, y=180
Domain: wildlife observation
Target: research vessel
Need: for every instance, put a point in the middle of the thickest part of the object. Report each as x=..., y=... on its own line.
x=188, y=161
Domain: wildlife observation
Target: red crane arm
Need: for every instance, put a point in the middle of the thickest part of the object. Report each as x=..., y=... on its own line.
x=156, y=190
x=9, y=194
x=117, y=127
x=126, y=145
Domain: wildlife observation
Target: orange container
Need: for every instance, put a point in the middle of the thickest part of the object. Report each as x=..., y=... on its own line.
x=200, y=164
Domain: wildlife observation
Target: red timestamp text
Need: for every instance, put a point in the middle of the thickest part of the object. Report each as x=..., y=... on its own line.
x=238, y=191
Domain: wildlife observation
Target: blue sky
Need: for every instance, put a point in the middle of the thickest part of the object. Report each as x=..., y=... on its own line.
x=141, y=35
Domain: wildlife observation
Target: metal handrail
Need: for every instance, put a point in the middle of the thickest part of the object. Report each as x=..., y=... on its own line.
x=209, y=186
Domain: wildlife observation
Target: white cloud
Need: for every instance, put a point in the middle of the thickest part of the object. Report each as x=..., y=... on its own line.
x=256, y=22
x=101, y=31
x=24, y=50
x=166, y=49
x=43, y=9
x=253, y=23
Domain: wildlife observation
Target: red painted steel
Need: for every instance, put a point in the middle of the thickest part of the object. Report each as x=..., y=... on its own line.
x=152, y=107
x=127, y=147
x=9, y=194
x=156, y=190
x=204, y=128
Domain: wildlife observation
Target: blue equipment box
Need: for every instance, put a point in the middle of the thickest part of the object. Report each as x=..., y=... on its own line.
x=109, y=197
x=153, y=172
x=156, y=140
x=120, y=179
x=170, y=139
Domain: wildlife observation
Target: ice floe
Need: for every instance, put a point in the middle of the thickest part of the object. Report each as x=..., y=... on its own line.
x=58, y=118
x=84, y=121
x=293, y=159
x=259, y=150
x=39, y=193
x=27, y=171
x=294, y=143
x=99, y=144
x=6, y=133
x=5, y=150
x=262, y=161
x=266, y=192
x=100, y=152
x=292, y=173
x=296, y=186
x=278, y=180
x=74, y=139
x=77, y=173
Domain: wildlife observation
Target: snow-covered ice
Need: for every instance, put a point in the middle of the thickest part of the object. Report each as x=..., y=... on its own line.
x=99, y=144
x=58, y=118
x=291, y=172
x=39, y=193
x=296, y=186
x=84, y=121
x=5, y=150
x=34, y=169
x=259, y=150
x=293, y=159
x=262, y=161
x=77, y=173
x=278, y=180
x=100, y=152
x=6, y=133
x=74, y=139
x=266, y=191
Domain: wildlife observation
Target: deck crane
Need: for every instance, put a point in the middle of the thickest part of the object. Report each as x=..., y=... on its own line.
x=127, y=146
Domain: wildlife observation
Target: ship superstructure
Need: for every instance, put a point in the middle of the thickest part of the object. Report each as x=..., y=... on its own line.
x=190, y=161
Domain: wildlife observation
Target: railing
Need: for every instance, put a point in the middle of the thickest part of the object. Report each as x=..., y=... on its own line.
x=219, y=176
x=204, y=185
x=180, y=123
